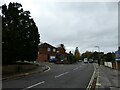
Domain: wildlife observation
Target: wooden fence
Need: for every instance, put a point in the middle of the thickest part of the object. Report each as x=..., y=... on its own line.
x=113, y=65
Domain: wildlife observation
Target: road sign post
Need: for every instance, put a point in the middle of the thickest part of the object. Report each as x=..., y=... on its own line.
x=117, y=57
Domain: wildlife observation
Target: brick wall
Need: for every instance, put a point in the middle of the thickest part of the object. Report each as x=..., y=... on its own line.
x=42, y=57
x=42, y=50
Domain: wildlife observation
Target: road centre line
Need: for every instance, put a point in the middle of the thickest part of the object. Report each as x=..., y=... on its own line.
x=34, y=85
x=61, y=74
x=75, y=68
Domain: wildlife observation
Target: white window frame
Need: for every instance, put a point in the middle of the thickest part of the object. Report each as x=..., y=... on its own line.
x=49, y=49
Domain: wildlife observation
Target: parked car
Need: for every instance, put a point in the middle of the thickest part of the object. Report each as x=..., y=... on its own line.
x=52, y=60
x=80, y=60
x=59, y=62
x=90, y=60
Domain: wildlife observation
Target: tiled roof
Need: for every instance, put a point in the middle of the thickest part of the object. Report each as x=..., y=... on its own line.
x=46, y=45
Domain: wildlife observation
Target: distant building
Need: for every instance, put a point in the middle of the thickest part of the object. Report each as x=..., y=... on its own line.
x=62, y=55
x=46, y=52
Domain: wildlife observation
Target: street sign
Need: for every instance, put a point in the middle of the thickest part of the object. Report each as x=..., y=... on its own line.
x=117, y=55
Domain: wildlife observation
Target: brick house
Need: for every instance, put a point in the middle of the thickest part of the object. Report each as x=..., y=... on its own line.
x=46, y=51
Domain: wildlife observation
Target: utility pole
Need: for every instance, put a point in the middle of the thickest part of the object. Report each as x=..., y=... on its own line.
x=98, y=54
x=0, y=46
x=117, y=57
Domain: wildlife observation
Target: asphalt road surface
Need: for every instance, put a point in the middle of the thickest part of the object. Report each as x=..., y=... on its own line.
x=76, y=75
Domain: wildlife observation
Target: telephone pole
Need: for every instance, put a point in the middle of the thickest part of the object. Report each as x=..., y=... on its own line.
x=98, y=54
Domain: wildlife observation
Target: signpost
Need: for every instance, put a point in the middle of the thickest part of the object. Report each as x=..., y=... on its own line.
x=117, y=57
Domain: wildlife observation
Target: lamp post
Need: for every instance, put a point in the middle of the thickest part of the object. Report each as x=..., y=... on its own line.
x=98, y=48
x=98, y=54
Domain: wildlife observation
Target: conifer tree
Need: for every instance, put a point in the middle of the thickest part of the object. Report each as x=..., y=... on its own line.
x=20, y=37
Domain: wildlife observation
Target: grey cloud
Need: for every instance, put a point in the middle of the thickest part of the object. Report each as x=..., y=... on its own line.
x=77, y=24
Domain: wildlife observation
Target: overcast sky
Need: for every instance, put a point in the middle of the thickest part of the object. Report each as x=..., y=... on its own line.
x=75, y=24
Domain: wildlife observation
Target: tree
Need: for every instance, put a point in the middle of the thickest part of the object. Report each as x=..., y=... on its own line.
x=62, y=48
x=87, y=54
x=84, y=55
x=71, y=58
x=109, y=57
x=95, y=55
x=77, y=54
x=61, y=52
x=20, y=37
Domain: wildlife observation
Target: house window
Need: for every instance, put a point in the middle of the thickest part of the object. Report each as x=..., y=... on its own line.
x=54, y=50
x=48, y=49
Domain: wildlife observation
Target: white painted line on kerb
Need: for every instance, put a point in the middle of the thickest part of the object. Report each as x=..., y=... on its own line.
x=34, y=85
x=75, y=69
x=61, y=74
x=93, y=75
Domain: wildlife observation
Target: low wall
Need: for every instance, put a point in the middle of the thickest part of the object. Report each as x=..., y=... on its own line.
x=108, y=64
x=113, y=65
x=11, y=69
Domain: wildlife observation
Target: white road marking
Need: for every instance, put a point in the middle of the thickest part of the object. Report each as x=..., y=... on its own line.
x=61, y=74
x=48, y=69
x=98, y=84
x=93, y=75
x=75, y=68
x=34, y=85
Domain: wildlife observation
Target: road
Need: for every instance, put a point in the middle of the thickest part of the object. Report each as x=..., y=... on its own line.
x=59, y=76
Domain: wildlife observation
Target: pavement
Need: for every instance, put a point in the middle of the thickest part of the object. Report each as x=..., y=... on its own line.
x=41, y=68
x=108, y=78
